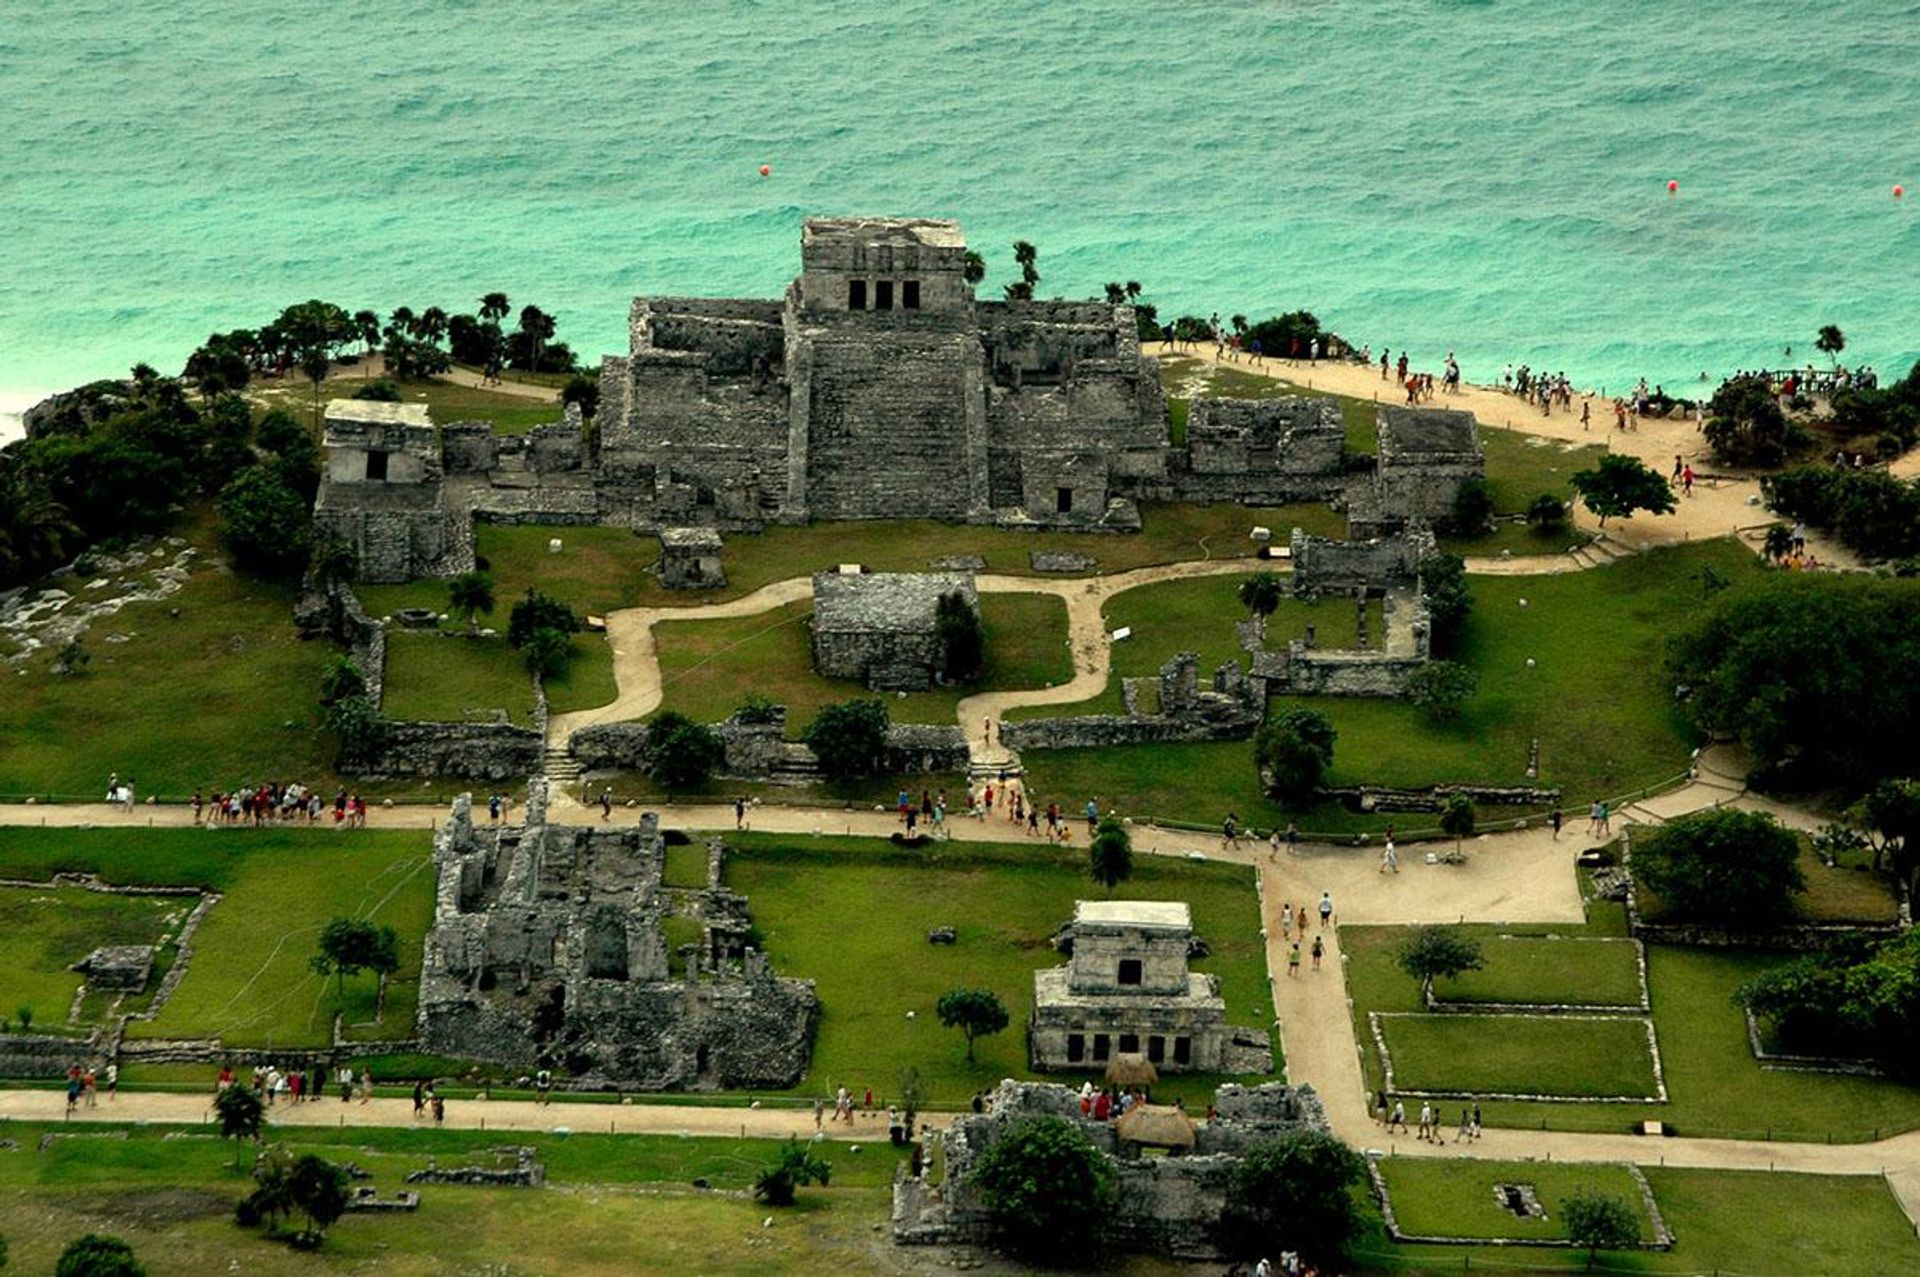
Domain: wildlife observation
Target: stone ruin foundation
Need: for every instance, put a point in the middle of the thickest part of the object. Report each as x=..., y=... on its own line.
x=548, y=949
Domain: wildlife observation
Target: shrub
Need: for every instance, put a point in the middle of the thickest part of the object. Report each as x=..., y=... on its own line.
x=1745, y=426
x=1547, y=513
x=1111, y=853
x=1293, y=751
x=1443, y=584
x=1441, y=689
x=1261, y=593
x=1472, y=508
x=849, y=739
x=97, y=1256
x=265, y=523
x=796, y=1166
x=547, y=652
x=682, y=754
x=583, y=390
x=1723, y=866
x=756, y=708
x=961, y=638
x=379, y=390
x=1277, y=334
x=1295, y=1191
x=1047, y=1188
x=539, y=612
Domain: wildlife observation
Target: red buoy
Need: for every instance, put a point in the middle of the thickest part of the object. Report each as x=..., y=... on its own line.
x=766, y=170
x=1899, y=191
x=1673, y=187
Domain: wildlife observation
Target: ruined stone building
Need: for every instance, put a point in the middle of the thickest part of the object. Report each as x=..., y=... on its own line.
x=1127, y=991
x=549, y=947
x=877, y=387
x=880, y=628
x=1172, y=1205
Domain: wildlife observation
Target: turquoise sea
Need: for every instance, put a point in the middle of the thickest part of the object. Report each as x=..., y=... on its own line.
x=1484, y=177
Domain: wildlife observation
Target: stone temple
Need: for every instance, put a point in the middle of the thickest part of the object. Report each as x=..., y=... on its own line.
x=549, y=947
x=879, y=627
x=877, y=387
x=1127, y=991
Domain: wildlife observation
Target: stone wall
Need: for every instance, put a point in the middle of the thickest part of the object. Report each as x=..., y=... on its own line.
x=1229, y=709
x=1261, y=451
x=761, y=751
x=42, y=1055
x=1322, y=565
x=480, y=751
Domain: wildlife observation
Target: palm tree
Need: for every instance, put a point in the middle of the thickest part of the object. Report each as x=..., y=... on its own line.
x=538, y=327
x=433, y=325
x=1133, y=289
x=404, y=321
x=367, y=325
x=35, y=529
x=973, y=268
x=494, y=306
x=1831, y=342
x=1025, y=255
x=472, y=593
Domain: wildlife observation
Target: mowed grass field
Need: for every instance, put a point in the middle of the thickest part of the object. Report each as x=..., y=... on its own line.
x=44, y=930
x=1557, y=1055
x=446, y=401
x=1715, y=1088
x=1534, y=970
x=225, y=693
x=1433, y=1197
x=709, y=667
x=853, y=915
x=249, y=983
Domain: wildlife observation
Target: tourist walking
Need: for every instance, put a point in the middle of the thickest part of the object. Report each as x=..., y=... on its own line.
x=1389, y=858
x=1326, y=908
x=1319, y=948
x=1399, y=1117
x=1293, y=959
x=1286, y=919
x=1557, y=817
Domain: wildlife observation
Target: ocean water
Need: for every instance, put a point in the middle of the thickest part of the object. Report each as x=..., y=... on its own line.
x=1483, y=177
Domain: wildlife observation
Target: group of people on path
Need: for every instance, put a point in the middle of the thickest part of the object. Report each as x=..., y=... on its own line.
x=1288, y=920
x=1431, y=1122
x=83, y=1085
x=272, y=803
x=299, y=1085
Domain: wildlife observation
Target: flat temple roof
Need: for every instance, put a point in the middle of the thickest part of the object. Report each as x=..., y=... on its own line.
x=1155, y=914
x=934, y=232
x=373, y=412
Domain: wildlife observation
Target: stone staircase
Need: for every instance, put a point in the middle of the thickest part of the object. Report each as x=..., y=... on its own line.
x=992, y=762
x=561, y=768
x=1598, y=552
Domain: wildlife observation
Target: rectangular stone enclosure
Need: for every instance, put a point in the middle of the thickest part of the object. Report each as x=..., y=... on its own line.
x=879, y=628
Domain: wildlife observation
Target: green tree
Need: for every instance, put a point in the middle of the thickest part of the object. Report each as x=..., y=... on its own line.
x=1892, y=811
x=334, y=561
x=366, y=328
x=1779, y=542
x=1472, y=508
x=530, y=341
x=357, y=726
x=1620, y=485
x=1449, y=599
x=349, y=946
x=583, y=389
x=796, y=1167
x=1831, y=342
x=849, y=739
x=547, y=652
x=319, y=1190
x=1722, y=865
x=1745, y=426
x=1278, y=334
x=472, y=593
x=1458, y=818
x=341, y=680
x=975, y=1012
x=1261, y=593
x=682, y=754
x=1432, y=952
x=1547, y=513
x=1047, y=1188
x=1292, y=752
x=494, y=307
x=539, y=612
x=973, y=268
x=1599, y=1221
x=35, y=529
x=264, y=523
x=295, y=454
x=95, y=1255
x=241, y=1112
x=313, y=330
x=1026, y=257
x=1111, y=853
x=1295, y=1191
x=1441, y=689
x=961, y=637
x=1860, y=994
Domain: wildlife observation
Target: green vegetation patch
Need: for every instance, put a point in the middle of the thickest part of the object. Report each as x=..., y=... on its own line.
x=595, y=571
x=1557, y=1055
x=222, y=694
x=686, y=865
x=438, y=679
x=249, y=983
x=708, y=667
x=446, y=401
x=853, y=915
x=1455, y=1198
x=1542, y=971
x=588, y=682
x=44, y=930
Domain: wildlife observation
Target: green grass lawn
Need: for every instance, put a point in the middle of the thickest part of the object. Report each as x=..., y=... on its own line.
x=223, y=694
x=588, y=681
x=440, y=679
x=1459, y=1053
x=1535, y=970
x=1595, y=698
x=1199, y=615
x=1847, y=892
x=1521, y=467
x=853, y=915
x=1715, y=1088
x=249, y=982
x=507, y=414
x=708, y=667
x=686, y=865
x=1451, y=1198
x=596, y=571
x=44, y=930
x=613, y=1205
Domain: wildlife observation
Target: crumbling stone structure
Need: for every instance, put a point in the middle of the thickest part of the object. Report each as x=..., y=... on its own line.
x=124, y=968
x=880, y=627
x=382, y=492
x=1424, y=455
x=1171, y=706
x=1262, y=451
x=548, y=946
x=1127, y=991
x=1168, y=1205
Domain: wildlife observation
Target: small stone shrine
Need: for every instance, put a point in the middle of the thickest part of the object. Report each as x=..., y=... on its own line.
x=690, y=559
x=880, y=628
x=1127, y=991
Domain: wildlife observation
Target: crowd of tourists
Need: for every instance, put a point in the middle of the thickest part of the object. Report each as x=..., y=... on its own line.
x=272, y=803
x=996, y=797
x=84, y=1083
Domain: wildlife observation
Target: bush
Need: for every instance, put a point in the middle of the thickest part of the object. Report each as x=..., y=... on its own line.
x=1441, y=689
x=1862, y=994
x=961, y=638
x=547, y=652
x=1547, y=513
x=1111, y=854
x=1294, y=1191
x=96, y=1256
x=682, y=754
x=1472, y=508
x=1443, y=584
x=1261, y=593
x=796, y=1166
x=1745, y=426
x=1723, y=866
x=539, y=612
x=1047, y=1188
x=1277, y=334
x=265, y=523
x=380, y=390
x=849, y=739
x=1293, y=751
x=757, y=709
x=583, y=390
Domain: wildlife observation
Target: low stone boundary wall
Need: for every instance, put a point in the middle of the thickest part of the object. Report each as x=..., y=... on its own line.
x=1382, y=798
x=1644, y=1007
x=1780, y=1062
x=43, y=1055
x=1091, y=731
x=1375, y=1019
x=483, y=751
x=1662, y=1235
x=761, y=752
